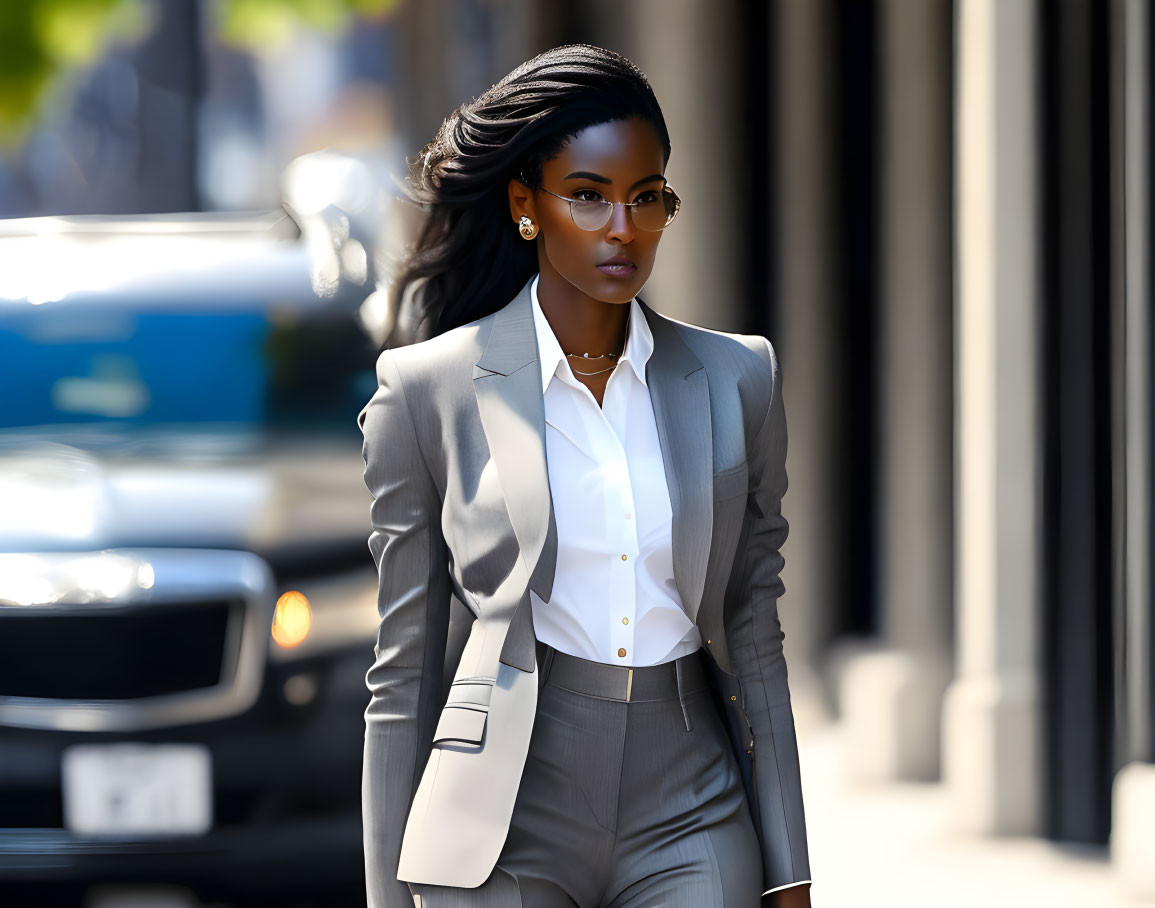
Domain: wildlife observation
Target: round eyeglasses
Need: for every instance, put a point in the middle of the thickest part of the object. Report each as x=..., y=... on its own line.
x=653, y=211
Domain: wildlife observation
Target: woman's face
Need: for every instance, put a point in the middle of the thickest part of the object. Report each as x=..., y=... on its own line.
x=619, y=161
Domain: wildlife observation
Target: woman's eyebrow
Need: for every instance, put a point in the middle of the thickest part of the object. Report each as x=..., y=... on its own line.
x=598, y=178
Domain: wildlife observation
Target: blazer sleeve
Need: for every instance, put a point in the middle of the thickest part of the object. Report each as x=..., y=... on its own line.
x=413, y=604
x=755, y=637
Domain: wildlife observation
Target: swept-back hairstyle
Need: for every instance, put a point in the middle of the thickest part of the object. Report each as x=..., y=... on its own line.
x=468, y=259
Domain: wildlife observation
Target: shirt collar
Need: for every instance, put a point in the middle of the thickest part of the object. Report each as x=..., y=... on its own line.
x=639, y=342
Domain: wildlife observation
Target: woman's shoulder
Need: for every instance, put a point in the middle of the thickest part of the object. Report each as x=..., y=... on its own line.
x=745, y=363
x=440, y=360
x=747, y=355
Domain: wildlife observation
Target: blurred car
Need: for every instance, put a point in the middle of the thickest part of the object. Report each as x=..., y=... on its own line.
x=187, y=601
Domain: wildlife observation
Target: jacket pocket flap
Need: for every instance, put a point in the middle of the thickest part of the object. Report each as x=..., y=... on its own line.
x=470, y=693
x=731, y=482
x=461, y=724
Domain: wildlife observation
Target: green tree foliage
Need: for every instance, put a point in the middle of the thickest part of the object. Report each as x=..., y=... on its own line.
x=42, y=41
x=258, y=25
x=45, y=42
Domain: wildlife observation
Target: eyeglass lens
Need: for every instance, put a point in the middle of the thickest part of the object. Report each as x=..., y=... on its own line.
x=652, y=211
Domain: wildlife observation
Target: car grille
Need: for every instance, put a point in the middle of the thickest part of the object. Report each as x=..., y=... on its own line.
x=117, y=653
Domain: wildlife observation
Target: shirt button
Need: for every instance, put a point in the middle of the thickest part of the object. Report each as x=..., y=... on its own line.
x=628, y=516
x=622, y=651
x=625, y=621
x=623, y=557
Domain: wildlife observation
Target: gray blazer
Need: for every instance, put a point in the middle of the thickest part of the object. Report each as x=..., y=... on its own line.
x=454, y=448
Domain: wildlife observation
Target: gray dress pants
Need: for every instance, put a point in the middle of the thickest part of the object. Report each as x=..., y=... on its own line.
x=624, y=803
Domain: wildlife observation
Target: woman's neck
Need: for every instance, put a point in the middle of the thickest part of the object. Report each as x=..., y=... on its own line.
x=581, y=323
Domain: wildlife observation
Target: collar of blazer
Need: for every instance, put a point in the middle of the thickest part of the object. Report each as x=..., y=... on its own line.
x=507, y=382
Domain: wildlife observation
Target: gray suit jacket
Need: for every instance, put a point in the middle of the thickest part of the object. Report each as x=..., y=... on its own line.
x=454, y=448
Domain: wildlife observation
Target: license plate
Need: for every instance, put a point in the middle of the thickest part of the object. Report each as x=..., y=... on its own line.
x=137, y=789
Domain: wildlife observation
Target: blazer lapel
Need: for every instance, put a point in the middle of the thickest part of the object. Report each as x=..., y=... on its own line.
x=681, y=398
x=507, y=382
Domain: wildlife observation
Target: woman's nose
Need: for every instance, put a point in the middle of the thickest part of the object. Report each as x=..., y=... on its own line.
x=621, y=226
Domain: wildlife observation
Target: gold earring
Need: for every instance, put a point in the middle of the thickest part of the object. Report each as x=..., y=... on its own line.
x=528, y=228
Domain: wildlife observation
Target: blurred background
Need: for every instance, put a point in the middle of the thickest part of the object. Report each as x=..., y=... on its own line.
x=940, y=214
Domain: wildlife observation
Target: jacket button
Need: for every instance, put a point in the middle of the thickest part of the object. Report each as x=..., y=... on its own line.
x=733, y=697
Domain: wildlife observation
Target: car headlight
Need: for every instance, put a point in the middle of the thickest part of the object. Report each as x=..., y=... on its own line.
x=49, y=578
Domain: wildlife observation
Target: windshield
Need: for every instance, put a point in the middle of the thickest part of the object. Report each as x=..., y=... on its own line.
x=246, y=365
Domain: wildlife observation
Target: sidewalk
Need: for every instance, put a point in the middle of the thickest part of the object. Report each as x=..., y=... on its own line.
x=892, y=846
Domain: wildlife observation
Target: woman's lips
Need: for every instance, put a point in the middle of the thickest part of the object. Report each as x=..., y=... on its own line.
x=618, y=270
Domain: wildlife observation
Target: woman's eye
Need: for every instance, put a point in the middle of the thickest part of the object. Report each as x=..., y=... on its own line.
x=587, y=195
x=646, y=198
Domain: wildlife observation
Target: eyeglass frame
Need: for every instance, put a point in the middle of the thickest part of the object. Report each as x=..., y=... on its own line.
x=628, y=205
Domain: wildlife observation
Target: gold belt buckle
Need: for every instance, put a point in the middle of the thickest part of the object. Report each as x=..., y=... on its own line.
x=629, y=683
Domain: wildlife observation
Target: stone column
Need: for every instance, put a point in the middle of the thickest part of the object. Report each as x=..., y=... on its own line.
x=807, y=257
x=1133, y=792
x=891, y=698
x=991, y=742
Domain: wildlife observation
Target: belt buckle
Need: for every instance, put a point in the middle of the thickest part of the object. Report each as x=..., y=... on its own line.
x=629, y=683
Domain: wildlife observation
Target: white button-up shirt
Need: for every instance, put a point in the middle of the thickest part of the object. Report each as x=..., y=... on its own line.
x=614, y=598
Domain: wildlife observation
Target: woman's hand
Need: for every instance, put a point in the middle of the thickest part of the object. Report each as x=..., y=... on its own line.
x=792, y=897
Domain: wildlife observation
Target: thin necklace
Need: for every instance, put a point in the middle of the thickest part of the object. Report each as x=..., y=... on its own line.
x=599, y=371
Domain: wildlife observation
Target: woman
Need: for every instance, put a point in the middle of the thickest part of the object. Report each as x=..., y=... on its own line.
x=600, y=486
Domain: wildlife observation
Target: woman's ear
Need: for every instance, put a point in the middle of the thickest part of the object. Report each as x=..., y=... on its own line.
x=521, y=201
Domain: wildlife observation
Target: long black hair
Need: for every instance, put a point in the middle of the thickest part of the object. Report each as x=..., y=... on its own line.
x=468, y=259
